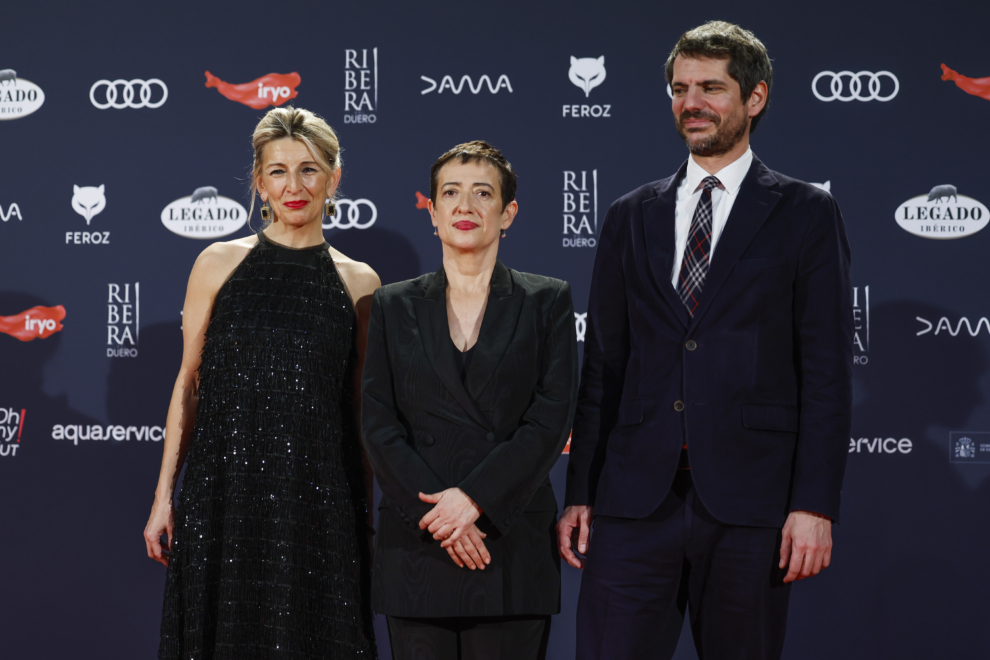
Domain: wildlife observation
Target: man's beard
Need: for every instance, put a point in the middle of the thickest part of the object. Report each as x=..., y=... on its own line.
x=720, y=142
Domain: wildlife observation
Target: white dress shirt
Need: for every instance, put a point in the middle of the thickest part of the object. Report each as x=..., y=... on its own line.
x=689, y=194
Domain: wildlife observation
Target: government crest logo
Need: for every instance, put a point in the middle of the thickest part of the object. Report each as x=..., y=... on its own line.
x=204, y=214
x=969, y=447
x=18, y=97
x=942, y=214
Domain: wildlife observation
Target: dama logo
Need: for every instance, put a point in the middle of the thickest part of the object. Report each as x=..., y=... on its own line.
x=12, y=210
x=11, y=427
x=975, y=86
x=36, y=323
x=447, y=82
x=273, y=89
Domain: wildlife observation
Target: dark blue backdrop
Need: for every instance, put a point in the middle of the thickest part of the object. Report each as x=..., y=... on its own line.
x=909, y=576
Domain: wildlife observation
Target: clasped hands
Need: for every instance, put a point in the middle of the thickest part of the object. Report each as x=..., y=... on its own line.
x=451, y=521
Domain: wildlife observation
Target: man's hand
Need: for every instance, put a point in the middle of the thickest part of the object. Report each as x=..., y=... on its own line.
x=469, y=550
x=452, y=516
x=806, y=544
x=574, y=528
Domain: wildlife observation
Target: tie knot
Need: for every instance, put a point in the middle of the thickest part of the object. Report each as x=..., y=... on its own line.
x=710, y=183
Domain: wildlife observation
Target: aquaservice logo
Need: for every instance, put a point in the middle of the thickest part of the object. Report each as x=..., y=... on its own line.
x=36, y=323
x=273, y=89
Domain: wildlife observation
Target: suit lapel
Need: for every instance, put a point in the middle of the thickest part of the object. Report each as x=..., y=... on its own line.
x=749, y=212
x=658, y=228
x=431, y=318
x=497, y=329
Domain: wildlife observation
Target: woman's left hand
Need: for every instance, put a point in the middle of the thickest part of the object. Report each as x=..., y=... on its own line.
x=452, y=516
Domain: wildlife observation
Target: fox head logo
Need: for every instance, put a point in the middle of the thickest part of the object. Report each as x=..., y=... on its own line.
x=87, y=201
x=587, y=72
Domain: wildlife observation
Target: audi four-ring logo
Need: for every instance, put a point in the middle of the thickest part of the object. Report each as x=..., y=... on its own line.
x=854, y=92
x=354, y=218
x=127, y=96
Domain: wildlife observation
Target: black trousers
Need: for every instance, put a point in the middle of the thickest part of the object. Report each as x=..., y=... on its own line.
x=642, y=574
x=469, y=638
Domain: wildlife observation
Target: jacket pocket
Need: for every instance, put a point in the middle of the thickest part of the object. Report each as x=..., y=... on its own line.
x=770, y=417
x=761, y=263
x=630, y=412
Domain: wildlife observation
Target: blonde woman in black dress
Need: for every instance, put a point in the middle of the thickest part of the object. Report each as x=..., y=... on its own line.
x=267, y=551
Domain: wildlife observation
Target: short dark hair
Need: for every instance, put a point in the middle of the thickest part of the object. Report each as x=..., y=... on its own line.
x=478, y=151
x=747, y=56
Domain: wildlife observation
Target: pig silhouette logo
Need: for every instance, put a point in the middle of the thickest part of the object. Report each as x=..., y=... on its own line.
x=273, y=89
x=587, y=72
x=945, y=192
x=8, y=77
x=204, y=194
x=87, y=201
x=975, y=86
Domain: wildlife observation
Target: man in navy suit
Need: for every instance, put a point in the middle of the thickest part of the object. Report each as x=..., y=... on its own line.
x=710, y=439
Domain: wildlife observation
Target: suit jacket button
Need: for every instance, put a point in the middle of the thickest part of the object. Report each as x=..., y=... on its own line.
x=490, y=437
x=691, y=345
x=679, y=406
x=428, y=440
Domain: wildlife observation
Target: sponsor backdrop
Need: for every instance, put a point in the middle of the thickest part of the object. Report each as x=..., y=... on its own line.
x=125, y=134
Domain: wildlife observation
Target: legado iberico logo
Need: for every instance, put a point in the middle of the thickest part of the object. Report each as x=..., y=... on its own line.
x=18, y=97
x=204, y=214
x=942, y=214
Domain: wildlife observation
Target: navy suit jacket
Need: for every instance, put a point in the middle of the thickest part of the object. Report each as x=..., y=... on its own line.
x=757, y=383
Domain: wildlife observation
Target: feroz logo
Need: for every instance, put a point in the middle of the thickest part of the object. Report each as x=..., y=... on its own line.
x=944, y=325
x=123, y=320
x=11, y=428
x=355, y=218
x=447, y=82
x=580, y=208
x=943, y=214
x=204, y=214
x=587, y=73
x=88, y=201
x=855, y=86
x=36, y=323
x=580, y=325
x=861, y=324
x=360, y=86
x=273, y=89
x=969, y=447
x=975, y=86
x=880, y=446
x=18, y=97
x=103, y=94
x=12, y=210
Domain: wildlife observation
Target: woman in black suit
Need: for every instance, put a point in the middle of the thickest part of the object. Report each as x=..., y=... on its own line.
x=469, y=391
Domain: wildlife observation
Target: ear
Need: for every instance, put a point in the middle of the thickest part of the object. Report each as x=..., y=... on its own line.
x=573, y=60
x=100, y=189
x=75, y=189
x=757, y=100
x=333, y=183
x=433, y=212
x=509, y=214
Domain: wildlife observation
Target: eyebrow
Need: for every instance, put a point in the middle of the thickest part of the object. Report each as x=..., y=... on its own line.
x=712, y=81
x=305, y=162
x=477, y=183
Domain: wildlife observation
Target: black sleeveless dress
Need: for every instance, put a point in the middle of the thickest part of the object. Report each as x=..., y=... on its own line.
x=270, y=547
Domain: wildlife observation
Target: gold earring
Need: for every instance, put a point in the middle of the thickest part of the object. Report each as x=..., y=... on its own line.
x=266, y=212
x=329, y=208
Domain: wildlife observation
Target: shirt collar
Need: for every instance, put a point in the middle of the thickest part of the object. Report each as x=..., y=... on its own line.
x=731, y=176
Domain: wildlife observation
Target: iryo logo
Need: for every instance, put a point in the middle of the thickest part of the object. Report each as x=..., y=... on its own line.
x=11, y=427
x=580, y=208
x=123, y=317
x=273, y=89
x=36, y=323
x=360, y=86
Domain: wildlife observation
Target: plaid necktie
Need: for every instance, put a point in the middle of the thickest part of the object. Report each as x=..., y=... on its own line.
x=694, y=266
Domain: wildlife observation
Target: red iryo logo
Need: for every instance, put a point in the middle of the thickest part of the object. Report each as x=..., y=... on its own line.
x=36, y=323
x=273, y=89
x=975, y=86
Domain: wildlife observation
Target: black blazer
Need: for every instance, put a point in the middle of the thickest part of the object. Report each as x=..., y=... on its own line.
x=496, y=436
x=757, y=383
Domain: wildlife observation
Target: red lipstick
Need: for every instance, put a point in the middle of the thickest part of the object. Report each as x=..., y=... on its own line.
x=297, y=204
x=465, y=225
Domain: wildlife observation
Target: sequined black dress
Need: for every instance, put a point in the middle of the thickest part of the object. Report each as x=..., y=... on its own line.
x=270, y=552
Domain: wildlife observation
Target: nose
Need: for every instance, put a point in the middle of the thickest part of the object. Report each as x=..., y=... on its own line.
x=694, y=98
x=293, y=181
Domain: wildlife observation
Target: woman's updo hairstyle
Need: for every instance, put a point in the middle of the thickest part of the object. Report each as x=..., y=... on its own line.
x=298, y=124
